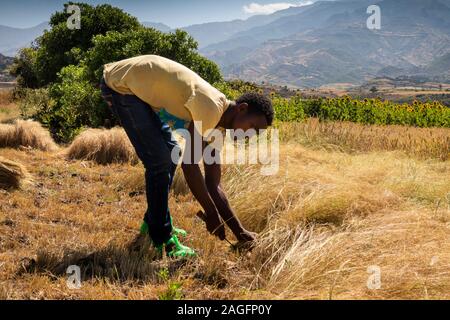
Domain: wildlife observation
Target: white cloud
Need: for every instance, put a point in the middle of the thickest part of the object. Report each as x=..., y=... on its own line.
x=269, y=8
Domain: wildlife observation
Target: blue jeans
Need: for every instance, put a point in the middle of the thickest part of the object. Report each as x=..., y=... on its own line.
x=153, y=142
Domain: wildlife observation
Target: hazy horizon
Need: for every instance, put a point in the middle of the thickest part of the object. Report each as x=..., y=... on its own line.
x=176, y=14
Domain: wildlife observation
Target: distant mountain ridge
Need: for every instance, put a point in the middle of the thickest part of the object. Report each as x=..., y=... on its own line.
x=12, y=39
x=157, y=25
x=318, y=44
x=214, y=32
x=5, y=62
x=328, y=42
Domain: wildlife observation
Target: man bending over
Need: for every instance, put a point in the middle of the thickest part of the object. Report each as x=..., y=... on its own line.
x=151, y=95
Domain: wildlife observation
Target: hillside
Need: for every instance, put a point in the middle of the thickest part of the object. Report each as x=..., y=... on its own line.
x=323, y=43
x=215, y=32
x=328, y=42
x=347, y=196
x=5, y=62
x=12, y=39
x=158, y=26
x=439, y=67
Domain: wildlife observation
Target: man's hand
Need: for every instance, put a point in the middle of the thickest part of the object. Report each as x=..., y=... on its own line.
x=210, y=194
x=247, y=236
x=196, y=183
x=213, y=224
x=246, y=241
x=213, y=176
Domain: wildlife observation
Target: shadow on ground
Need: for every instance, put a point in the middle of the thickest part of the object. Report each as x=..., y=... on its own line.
x=135, y=261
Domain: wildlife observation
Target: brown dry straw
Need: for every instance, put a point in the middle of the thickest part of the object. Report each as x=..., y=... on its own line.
x=25, y=133
x=103, y=147
x=13, y=175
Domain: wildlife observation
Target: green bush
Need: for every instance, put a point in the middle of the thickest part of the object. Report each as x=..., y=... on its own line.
x=375, y=111
x=178, y=46
x=24, y=68
x=70, y=63
x=173, y=289
x=367, y=111
x=75, y=104
x=32, y=101
x=289, y=109
x=61, y=46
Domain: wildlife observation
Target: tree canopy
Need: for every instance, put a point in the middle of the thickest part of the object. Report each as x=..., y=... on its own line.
x=69, y=62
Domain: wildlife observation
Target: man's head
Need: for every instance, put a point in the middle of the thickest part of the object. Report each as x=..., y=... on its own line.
x=250, y=111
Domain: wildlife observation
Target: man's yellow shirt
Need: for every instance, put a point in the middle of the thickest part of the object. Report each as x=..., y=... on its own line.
x=175, y=92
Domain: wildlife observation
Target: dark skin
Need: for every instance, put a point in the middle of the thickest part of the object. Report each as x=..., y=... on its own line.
x=207, y=190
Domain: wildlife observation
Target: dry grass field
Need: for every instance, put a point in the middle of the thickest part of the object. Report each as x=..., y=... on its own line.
x=347, y=199
x=8, y=109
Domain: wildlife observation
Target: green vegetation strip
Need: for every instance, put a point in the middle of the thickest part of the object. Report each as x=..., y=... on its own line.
x=367, y=111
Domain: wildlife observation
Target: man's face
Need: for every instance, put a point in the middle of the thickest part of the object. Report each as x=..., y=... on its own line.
x=246, y=120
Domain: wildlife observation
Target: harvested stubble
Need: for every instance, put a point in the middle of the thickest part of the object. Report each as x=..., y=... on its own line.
x=179, y=184
x=103, y=147
x=12, y=174
x=323, y=220
x=26, y=133
x=422, y=143
x=5, y=96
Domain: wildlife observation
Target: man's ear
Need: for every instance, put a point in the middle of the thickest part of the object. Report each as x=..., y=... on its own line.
x=242, y=107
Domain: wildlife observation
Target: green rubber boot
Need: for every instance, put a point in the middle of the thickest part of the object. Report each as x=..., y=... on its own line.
x=144, y=228
x=175, y=231
x=175, y=249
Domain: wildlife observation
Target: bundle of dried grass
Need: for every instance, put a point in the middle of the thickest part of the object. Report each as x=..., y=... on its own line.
x=179, y=184
x=6, y=135
x=103, y=147
x=13, y=175
x=5, y=96
x=25, y=133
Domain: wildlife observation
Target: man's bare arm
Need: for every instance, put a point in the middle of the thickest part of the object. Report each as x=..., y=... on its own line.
x=196, y=183
x=212, y=178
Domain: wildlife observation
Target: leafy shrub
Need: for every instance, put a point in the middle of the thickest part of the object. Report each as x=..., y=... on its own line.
x=70, y=62
x=24, y=68
x=375, y=111
x=289, y=109
x=74, y=104
x=178, y=46
x=173, y=289
x=32, y=101
x=61, y=46
x=367, y=111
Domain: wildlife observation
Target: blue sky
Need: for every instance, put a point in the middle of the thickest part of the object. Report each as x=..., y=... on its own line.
x=175, y=13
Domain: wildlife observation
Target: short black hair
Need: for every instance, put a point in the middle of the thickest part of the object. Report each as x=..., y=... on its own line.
x=258, y=103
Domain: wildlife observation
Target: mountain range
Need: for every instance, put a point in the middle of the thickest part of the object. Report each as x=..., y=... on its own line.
x=321, y=43
x=329, y=42
x=12, y=39
x=4, y=63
